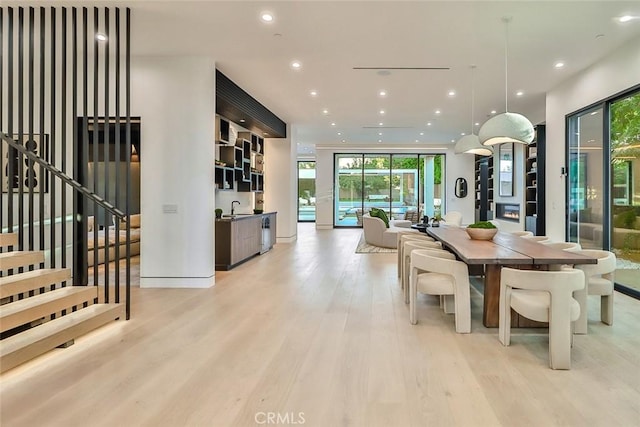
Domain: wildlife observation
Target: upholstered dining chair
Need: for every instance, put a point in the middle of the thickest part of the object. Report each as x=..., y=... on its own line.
x=544, y=296
x=453, y=218
x=431, y=274
x=599, y=280
x=409, y=235
x=522, y=233
x=565, y=246
x=539, y=239
x=407, y=247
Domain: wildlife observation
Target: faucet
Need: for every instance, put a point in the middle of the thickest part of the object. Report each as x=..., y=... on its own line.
x=232, y=205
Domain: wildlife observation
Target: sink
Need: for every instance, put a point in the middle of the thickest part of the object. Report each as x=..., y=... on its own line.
x=234, y=215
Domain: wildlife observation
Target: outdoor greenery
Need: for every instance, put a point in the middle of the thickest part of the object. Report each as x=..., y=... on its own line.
x=380, y=184
x=625, y=127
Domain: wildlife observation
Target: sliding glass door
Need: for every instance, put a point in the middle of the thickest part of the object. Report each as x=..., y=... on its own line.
x=397, y=183
x=604, y=183
x=306, y=191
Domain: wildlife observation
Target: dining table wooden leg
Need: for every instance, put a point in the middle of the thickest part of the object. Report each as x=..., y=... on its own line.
x=490, y=312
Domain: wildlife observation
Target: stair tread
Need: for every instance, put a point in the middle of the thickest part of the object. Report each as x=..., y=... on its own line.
x=16, y=259
x=36, y=300
x=27, y=275
x=8, y=239
x=38, y=333
x=30, y=280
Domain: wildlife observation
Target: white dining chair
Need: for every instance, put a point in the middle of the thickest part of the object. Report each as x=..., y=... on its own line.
x=599, y=280
x=543, y=296
x=522, y=233
x=409, y=235
x=539, y=239
x=433, y=275
x=453, y=218
x=565, y=246
x=411, y=245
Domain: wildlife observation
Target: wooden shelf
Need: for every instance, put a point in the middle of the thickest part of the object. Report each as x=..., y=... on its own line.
x=535, y=183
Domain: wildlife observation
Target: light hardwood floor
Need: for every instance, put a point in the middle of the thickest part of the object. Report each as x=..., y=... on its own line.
x=313, y=332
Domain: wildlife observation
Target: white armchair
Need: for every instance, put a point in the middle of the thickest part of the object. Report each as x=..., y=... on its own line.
x=376, y=232
x=453, y=218
x=544, y=296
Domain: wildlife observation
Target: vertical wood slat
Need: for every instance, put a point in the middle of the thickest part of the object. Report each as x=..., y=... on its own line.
x=20, y=125
x=41, y=144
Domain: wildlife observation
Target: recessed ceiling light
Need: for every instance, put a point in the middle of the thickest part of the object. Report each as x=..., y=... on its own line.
x=416, y=140
x=242, y=120
x=519, y=93
x=421, y=133
x=493, y=111
x=296, y=65
x=313, y=93
x=101, y=37
x=379, y=140
x=344, y=140
x=381, y=111
x=380, y=124
x=477, y=124
x=429, y=124
x=438, y=111
x=559, y=64
x=462, y=133
x=382, y=93
x=339, y=133
x=380, y=133
x=625, y=18
x=325, y=111
x=453, y=140
x=452, y=93
x=594, y=113
x=265, y=133
x=333, y=123
x=266, y=17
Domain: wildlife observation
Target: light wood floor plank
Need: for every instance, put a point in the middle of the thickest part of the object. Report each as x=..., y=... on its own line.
x=312, y=328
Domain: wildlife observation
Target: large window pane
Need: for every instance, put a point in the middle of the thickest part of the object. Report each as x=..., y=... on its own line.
x=307, y=191
x=348, y=189
x=586, y=197
x=625, y=191
x=377, y=183
x=404, y=185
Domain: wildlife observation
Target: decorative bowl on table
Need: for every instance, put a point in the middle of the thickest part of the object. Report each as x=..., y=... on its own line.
x=483, y=230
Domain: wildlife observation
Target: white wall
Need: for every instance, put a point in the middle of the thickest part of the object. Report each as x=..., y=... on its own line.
x=280, y=185
x=457, y=165
x=615, y=73
x=175, y=97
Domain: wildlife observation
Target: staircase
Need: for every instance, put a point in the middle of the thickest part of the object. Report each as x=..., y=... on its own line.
x=38, y=313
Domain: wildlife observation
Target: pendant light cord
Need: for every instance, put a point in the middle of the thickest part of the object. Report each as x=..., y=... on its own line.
x=506, y=21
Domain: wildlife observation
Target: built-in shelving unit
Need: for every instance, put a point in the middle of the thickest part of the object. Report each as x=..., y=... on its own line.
x=535, y=183
x=484, y=188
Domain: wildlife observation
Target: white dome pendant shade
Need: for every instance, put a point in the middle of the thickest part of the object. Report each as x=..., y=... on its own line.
x=470, y=144
x=506, y=127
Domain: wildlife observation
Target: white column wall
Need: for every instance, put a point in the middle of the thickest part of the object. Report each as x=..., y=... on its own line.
x=518, y=187
x=456, y=166
x=280, y=185
x=613, y=74
x=175, y=98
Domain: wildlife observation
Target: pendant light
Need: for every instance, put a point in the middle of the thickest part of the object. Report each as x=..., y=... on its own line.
x=506, y=127
x=470, y=144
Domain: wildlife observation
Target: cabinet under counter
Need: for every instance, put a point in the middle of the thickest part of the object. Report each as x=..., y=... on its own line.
x=242, y=237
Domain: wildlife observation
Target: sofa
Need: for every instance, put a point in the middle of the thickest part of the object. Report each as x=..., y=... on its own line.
x=376, y=232
x=113, y=240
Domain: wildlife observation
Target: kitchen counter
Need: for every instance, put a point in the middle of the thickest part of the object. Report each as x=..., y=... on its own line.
x=239, y=217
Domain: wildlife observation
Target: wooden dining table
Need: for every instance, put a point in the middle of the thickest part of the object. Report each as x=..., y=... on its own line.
x=505, y=250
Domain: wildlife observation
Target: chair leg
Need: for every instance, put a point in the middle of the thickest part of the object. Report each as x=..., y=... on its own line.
x=581, y=323
x=504, y=323
x=413, y=295
x=560, y=342
x=463, y=315
x=449, y=304
x=606, y=309
x=405, y=279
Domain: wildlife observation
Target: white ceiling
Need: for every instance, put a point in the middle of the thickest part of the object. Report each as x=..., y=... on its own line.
x=329, y=38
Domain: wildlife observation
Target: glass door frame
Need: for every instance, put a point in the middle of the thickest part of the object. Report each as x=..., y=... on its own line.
x=607, y=178
x=298, y=192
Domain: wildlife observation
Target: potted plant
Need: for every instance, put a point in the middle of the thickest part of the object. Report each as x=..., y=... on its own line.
x=435, y=221
x=218, y=213
x=482, y=230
